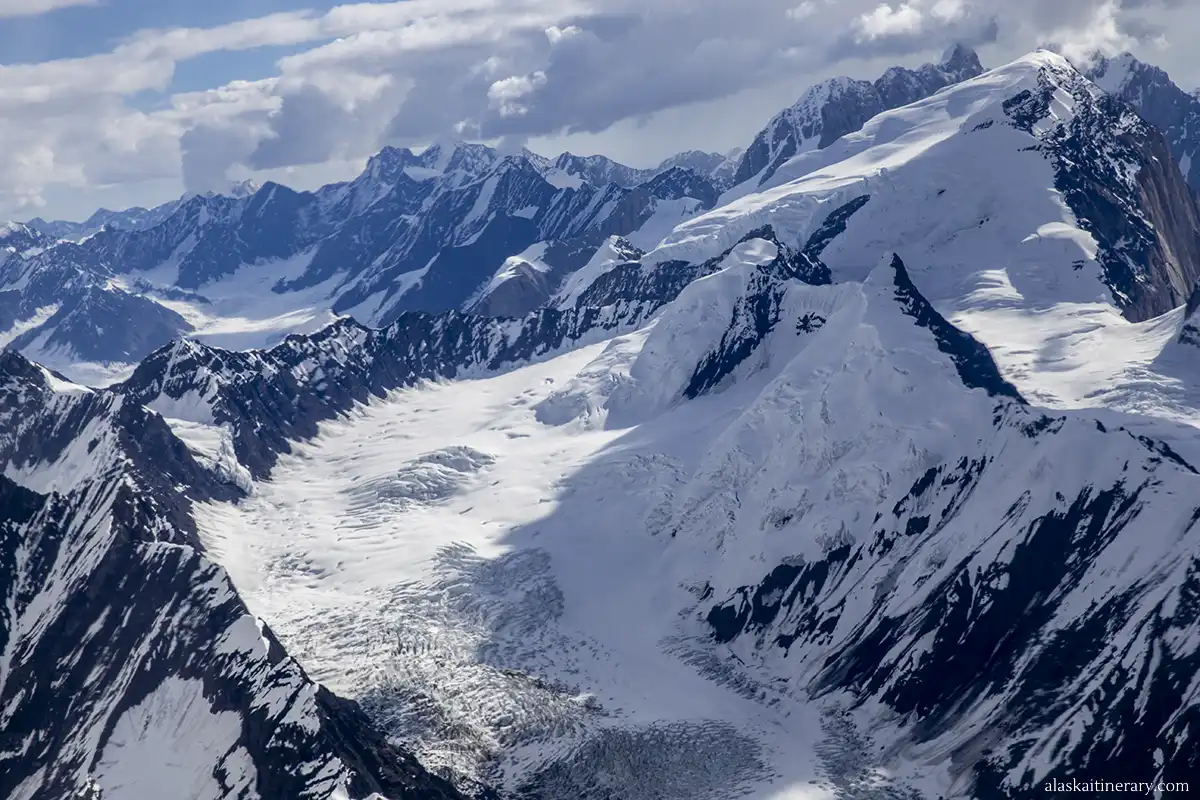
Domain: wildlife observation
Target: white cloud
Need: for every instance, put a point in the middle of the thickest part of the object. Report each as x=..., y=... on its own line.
x=803, y=11
x=29, y=8
x=556, y=34
x=1102, y=33
x=406, y=72
x=505, y=96
x=887, y=20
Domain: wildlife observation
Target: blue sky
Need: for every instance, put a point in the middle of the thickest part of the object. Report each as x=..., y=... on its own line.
x=85, y=30
x=89, y=29
x=123, y=102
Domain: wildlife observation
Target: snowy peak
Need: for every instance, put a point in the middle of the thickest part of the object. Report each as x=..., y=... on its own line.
x=386, y=165
x=1150, y=91
x=838, y=106
x=980, y=157
x=960, y=62
x=459, y=157
x=17, y=237
x=718, y=167
x=600, y=170
x=1113, y=73
x=1117, y=174
x=244, y=188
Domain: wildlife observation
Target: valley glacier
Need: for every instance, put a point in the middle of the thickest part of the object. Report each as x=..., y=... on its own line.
x=518, y=612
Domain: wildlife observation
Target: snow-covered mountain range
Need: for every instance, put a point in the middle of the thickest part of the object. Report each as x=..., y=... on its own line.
x=874, y=475
x=425, y=232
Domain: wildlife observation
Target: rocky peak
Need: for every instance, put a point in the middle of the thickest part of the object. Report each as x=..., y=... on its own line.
x=678, y=182
x=600, y=170
x=1115, y=172
x=835, y=107
x=458, y=156
x=1159, y=101
x=388, y=163
x=246, y=188
x=961, y=62
x=20, y=237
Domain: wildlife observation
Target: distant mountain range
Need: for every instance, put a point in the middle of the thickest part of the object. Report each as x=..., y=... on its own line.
x=1160, y=102
x=413, y=232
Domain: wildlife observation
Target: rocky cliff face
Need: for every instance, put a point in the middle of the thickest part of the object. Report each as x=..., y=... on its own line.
x=1150, y=91
x=1117, y=174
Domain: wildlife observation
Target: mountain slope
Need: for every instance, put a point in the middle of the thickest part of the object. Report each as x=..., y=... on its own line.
x=414, y=232
x=1043, y=215
x=774, y=509
x=129, y=666
x=798, y=557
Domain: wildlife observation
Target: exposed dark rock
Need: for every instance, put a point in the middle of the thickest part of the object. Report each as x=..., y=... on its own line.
x=756, y=313
x=971, y=358
x=111, y=602
x=1118, y=177
x=1150, y=91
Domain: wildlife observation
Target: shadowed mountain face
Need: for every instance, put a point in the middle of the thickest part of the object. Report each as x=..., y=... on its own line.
x=124, y=643
x=413, y=232
x=1117, y=174
x=435, y=231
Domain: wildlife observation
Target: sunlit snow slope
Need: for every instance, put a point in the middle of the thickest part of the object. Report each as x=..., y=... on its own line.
x=1035, y=211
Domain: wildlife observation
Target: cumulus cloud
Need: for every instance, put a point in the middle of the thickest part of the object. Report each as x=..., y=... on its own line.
x=374, y=73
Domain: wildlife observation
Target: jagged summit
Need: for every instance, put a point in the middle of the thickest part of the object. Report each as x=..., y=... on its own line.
x=961, y=59
x=981, y=157
x=842, y=105
x=840, y=461
x=1152, y=93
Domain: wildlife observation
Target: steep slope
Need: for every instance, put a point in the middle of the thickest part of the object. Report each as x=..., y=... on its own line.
x=17, y=238
x=1150, y=91
x=129, y=666
x=691, y=530
x=840, y=106
x=63, y=307
x=265, y=399
x=940, y=610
